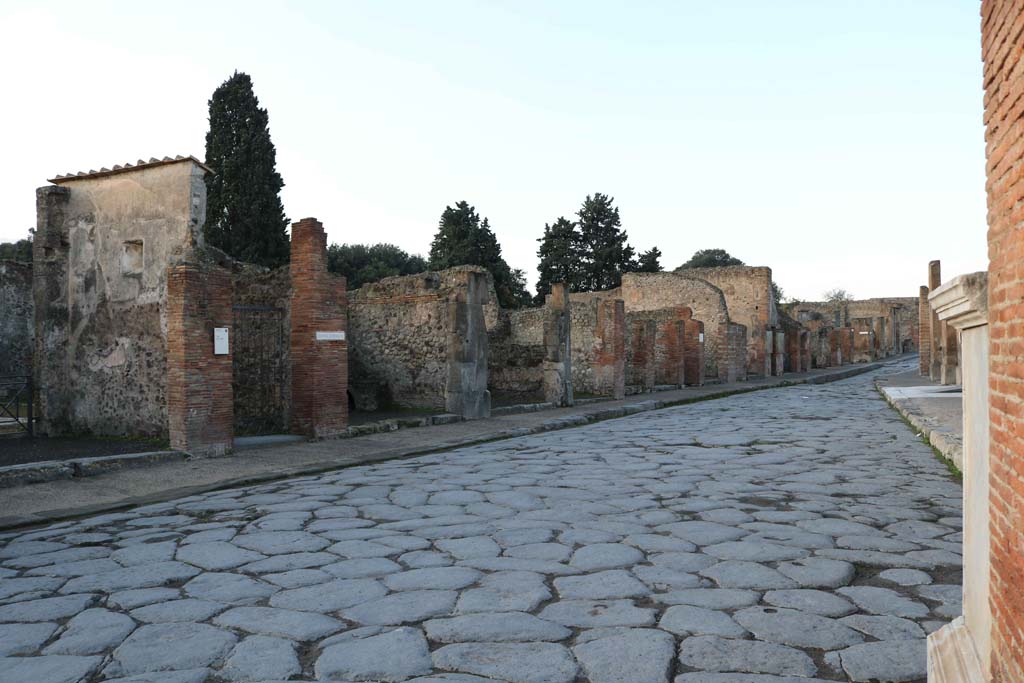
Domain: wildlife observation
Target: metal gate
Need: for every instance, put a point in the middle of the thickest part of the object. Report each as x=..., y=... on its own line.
x=17, y=396
x=258, y=369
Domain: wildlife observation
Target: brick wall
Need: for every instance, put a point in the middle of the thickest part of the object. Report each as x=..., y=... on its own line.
x=924, y=332
x=319, y=366
x=598, y=345
x=16, y=322
x=1002, y=48
x=640, y=353
x=732, y=352
x=200, y=409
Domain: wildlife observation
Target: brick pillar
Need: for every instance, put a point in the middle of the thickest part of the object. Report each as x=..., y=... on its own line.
x=793, y=350
x=610, y=359
x=466, y=391
x=319, y=349
x=934, y=280
x=640, y=354
x=949, y=364
x=805, y=350
x=778, y=352
x=557, y=347
x=200, y=400
x=693, y=352
x=924, y=332
x=670, y=347
x=1002, y=46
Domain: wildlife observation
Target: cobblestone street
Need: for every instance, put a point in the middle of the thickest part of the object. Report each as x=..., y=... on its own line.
x=797, y=534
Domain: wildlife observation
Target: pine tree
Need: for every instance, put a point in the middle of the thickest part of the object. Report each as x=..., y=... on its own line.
x=650, y=261
x=710, y=258
x=559, y=253
x=244, y=214
x=463, y=239
x=362, y=263
x=605, y=251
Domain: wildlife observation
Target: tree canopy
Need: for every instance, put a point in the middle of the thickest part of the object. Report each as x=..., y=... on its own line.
x=711, y=258
x=244, y=214
x=605, y=253
x=365, y=263
x=462, y=238
x=650, y=261
x=18, y=251
x=559, y=254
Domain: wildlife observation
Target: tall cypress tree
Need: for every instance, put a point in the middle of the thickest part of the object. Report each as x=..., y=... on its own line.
x=606, y=253
x=244, y=214
x=559, y=254
x=463, y=239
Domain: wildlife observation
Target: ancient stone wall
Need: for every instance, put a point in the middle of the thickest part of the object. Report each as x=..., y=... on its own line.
x=516, y=356
x=399, y=338
x=641, y=360
x=901, y=315
x=16, y=323
x=750, y=301
x=863, y=349
x=1002, y=50
x=733, y=356
x=598, y=345
x=658, y=291
x=103, y=245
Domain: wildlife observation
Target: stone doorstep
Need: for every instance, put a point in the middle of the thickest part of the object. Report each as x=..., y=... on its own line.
x=949, y=444
x=31, y=473
x=50, y=470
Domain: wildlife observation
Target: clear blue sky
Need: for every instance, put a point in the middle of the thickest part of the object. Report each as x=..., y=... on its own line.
x=828, y=139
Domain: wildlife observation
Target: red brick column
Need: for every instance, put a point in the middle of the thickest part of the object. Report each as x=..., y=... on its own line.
x=693, y=351
x=319, y=357
x=1002, y=45
x=670, y=349
x=641, y=369
x=934, y=280
x=924, y=332
x=200, y=401
x=610, y=360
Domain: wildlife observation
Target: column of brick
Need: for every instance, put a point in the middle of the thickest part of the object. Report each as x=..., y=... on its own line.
x=693, y=350
x=934, y=280
x=924, y=332
x=319, y=366
x=610, y=359
x=200, y=400
x=1002, y=49
x=557, y=347
x=640, y=353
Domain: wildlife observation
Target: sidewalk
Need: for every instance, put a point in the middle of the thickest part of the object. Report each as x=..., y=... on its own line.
x=933, y=409
x=47, y=502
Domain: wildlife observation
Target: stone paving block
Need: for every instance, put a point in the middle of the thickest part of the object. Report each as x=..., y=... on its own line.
x=233, y=589
x=262, y=658
x=495, y=627
x=738, y=574
x=168, y=647
x=592, y=614
x=47, y=609
x=514, y=662
x=402, y=608
x=92, y=632
x=799, y=629
x=392, y=656
x=629, y=656
x=189, y=609
x=615, y=583
x=684, y=620
x=24, y=639
x=49, y=669
x=891, y=660
x=330, y=596
x=749, y=656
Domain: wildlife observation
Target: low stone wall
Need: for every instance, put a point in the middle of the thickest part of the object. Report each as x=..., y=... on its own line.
x=598, y=345
x=516, y=356
x=16, y=326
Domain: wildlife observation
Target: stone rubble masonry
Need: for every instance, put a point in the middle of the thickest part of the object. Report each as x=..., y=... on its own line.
x=200, y=405
x=864, y=337
x=732, y=365
x=466, y=392
x=897, y=331
x=100, y=263
x=1002, y=47
x=557, y=365
x=925, y=327
x=319, y=366
x=16, y=328
x=750, y=302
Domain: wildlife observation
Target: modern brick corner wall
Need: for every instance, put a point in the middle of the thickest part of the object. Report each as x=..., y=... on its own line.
x=200, y=405
x=1002, y=48
x=319, y=357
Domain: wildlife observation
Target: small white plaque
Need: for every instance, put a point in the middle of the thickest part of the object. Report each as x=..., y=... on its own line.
x=220, y=341
x=865, y=333
x=330, y=336
x=700, y=337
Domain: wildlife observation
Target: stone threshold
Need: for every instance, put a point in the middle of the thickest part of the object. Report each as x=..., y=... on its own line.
x=173, y=475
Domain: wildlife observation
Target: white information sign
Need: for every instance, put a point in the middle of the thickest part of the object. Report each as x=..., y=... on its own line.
x=330, y=336
x=700, y=337
x=220, y=341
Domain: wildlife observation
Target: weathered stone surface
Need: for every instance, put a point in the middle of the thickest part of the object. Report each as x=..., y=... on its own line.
x=505, y=591
x=605, y=556
x=749, y=656
x=754, y=551
x=434, y=578
x=514, y=662
x=883, y=601
x=262, y=658
x=24, y=639
x=704, y=533
x=47, y=608
x=629, y=656
x=465, y=548
x=189, y=609
x=684, y=620
x=136, y=576
x=229, y=588
x=272, y=621
x=392, y=656
x=737, y=574
x=49, y=669
x=814, y=601
x=92, y=632
x=712, y=598
x=905, y=577
x=167, y=647
x=606, y=585
x=216, y=555
x=497, y=627
x=799, y=629
x=891, y=660
x=815, y=572
x=403, y=608
x=281, y=542
x=330, y=596
x=884, y=627
x=593, y=614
